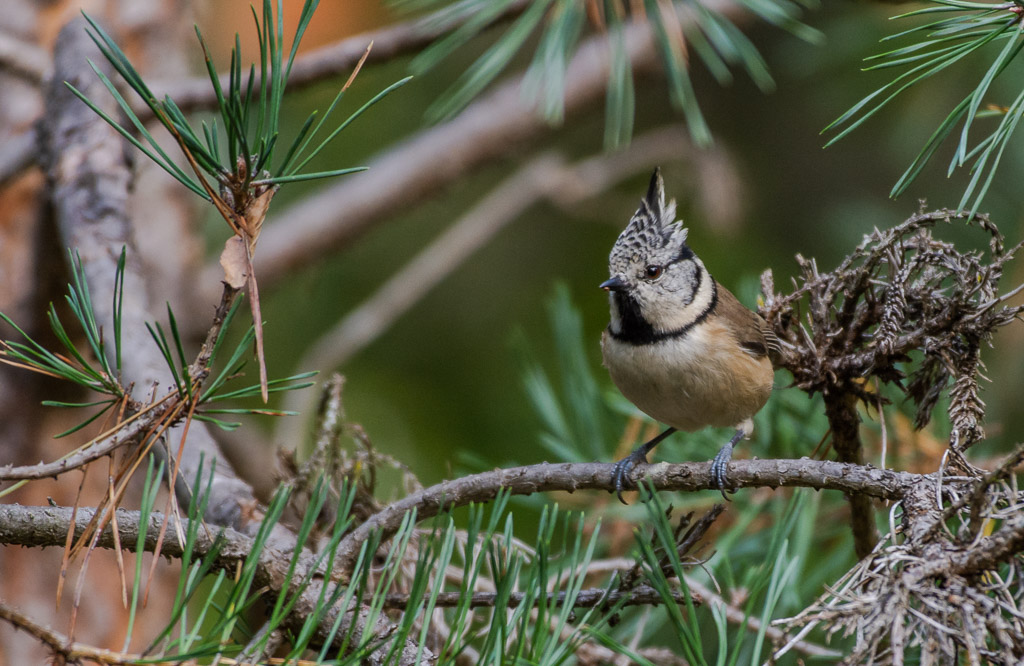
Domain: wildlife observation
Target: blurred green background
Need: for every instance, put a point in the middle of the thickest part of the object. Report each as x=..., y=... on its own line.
x=446, y=380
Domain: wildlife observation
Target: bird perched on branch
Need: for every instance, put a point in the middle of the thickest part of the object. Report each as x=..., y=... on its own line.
x=680, y=346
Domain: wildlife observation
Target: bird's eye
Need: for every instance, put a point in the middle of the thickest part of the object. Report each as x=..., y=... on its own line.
x=653, y=272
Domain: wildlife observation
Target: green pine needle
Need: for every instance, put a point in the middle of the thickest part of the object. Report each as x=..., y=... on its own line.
x=966, y=30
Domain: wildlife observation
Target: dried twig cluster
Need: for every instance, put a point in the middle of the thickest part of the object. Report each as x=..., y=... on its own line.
x=908, y=309
x=901, y=294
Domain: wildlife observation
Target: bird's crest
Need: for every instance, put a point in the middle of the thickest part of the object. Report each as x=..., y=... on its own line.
x=653, y=225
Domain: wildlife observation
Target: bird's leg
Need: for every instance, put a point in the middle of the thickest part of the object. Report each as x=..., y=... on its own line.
x=720, y=465
x=621, y=471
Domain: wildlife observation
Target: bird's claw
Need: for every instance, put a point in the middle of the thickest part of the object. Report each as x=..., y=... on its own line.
x=720, y=468
x=620, y=473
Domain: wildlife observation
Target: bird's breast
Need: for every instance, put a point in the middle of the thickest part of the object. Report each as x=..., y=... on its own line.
x=701, y=379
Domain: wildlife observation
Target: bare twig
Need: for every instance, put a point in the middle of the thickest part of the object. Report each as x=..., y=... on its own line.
x=71, y=652
x=18, y=522
x=571, y=477
x=126, y=432
x=641, y=595
x=985, y=555
x=753, y=623
x=974, y=498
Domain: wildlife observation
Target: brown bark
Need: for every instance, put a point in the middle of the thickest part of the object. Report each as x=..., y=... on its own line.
x=841, y=410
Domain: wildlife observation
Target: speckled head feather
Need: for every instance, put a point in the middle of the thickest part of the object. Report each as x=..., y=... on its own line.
x=653, y=235
x=658, y=287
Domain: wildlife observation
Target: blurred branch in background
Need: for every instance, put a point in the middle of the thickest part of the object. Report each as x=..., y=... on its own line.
x=23, y=58
x=544, y=178
x=17, y=155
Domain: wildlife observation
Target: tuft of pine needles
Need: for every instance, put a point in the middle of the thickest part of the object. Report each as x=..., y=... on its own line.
x=236, y=165
x=682, y=30
x=953, y=32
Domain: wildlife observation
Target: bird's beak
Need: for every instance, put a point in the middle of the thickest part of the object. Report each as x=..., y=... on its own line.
x=614, y=284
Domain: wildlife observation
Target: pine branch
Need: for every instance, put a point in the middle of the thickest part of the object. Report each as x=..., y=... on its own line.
x=91, y=180
x=21, y=153
x=71, y=652
x=129, y=431
x=641, y=595
x=571, y=477
x=46, y=526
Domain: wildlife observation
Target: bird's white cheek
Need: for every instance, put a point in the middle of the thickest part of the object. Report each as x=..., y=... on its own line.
x=665, y=312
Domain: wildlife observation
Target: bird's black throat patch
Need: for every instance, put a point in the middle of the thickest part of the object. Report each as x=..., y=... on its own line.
x=634, y=329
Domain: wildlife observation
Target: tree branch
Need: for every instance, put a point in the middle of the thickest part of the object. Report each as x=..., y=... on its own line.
x=844, y=423
x=126, y=432
x=641, y=595
x=90, y=175
x=985, y=555
x=47, y=526
x=570, y=477
x=753, y=623
x=72, y=653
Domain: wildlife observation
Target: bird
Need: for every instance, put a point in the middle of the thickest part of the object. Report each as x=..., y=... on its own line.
x=680, y=346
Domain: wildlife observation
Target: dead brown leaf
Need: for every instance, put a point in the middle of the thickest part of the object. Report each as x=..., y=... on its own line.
x=235, y=263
